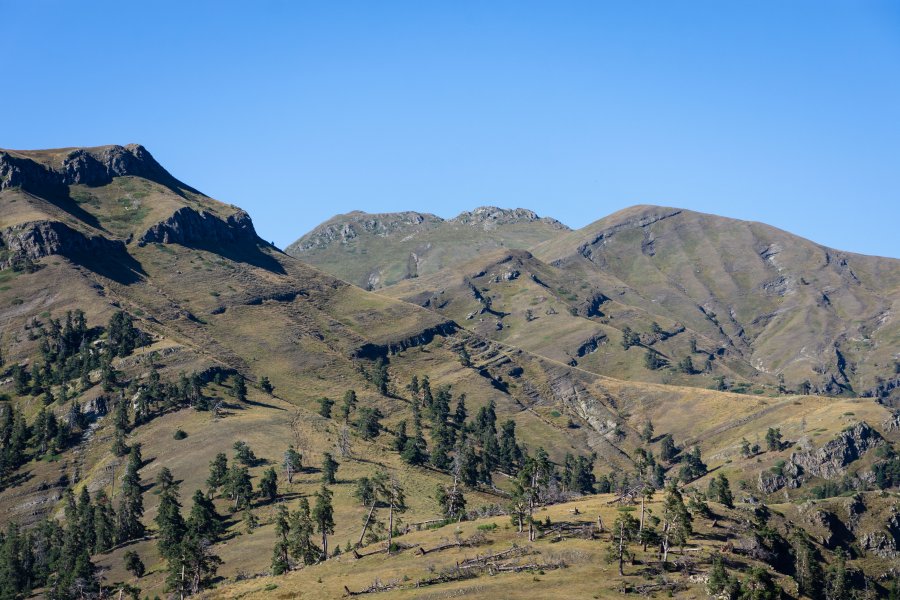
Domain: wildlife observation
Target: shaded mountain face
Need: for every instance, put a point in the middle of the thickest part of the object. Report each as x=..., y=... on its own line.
x=376, y=250
x=708, y=297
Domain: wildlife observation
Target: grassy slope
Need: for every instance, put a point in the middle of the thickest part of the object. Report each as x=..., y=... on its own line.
x=298, y=326
x=785, y=303
x=374, y=258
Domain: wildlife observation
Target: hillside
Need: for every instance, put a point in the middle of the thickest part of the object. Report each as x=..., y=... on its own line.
x=750, y=306
x=376, y=250
x=786, y=305
x=194, y=334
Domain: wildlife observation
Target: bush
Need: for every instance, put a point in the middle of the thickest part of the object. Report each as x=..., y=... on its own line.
x=180, y=434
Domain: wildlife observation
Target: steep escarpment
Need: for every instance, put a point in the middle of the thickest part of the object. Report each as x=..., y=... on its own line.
x=189, y=227
x=51, y=171
x=37, y=239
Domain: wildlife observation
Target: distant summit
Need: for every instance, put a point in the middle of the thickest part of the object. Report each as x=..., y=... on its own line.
x=390, y=247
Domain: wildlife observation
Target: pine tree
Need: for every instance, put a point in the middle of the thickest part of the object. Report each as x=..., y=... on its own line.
x=323, y=517
x=204, y=521
x=134, y=564
x=239, y=487
x=677, y=521
x=239, y=387
x=131, y=505
x=300, y=538
x=329, y=468
x=348, y=405
x=170, y=523
x=325, y=406
x=280, y=559
x=268, y=485
x=218, y=473
x=292, y=463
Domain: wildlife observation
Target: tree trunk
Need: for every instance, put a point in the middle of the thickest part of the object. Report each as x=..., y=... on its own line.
x=642, y=515
x=621, y=547
x=391, y=526
x=665, y=543
x=366, y=524
x=324, y=546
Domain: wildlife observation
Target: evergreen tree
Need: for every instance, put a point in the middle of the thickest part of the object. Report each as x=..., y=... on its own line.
x=292, y=463
x=238, y=487
x=266, y=385
x=218, y=473
x=720, y=490
x=268, y=485
x=348, y=405
x=239, y=387
x=204, y=521
x=625, y=530
x=451, y=501
x=300, y=539
x=325, y=406
x=280, y=558
x=401, y=437
x=323, y=517
x=169, y=522
x=134, y=564
x=131, y=504
x=677, y=521
x=329, y=468
x=667, y=449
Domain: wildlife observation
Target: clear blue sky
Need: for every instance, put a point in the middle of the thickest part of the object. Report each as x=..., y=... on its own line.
x=783, y=112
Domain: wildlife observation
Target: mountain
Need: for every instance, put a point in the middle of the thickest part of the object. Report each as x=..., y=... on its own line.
x=744, y=301
x=184, y=306
x=375, y=250
x=788, y=306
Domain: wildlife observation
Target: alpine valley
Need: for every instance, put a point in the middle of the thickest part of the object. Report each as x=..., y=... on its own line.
x=661, y=404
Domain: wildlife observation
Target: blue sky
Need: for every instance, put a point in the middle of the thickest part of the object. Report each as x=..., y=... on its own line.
x=782, y=112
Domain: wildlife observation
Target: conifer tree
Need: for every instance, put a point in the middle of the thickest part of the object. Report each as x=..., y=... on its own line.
x=169, y=522
x=329, y=468
x=131, y=504
x=268, y=485
x=218, y=473
x=323, y=517
x=292, y=463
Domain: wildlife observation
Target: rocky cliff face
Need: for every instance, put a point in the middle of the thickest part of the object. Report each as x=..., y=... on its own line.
x=49, y=175
x=828, y=462
x=190, y=227
x=489, y=217
x=38, y=239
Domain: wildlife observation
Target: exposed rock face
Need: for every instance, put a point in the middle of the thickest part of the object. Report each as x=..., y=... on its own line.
x=828, y=462
x=422, y=338
x=187, y=226
x=38, y=239
x=30, y=176
x=831, y=460
x=884, y=543
x=86, y=166
x=100, y=166
x=489, y=217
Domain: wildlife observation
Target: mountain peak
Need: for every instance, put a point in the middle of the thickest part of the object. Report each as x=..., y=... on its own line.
x=38, y=170
x=490, y=216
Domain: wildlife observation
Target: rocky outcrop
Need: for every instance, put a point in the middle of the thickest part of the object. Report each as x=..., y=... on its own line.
x=885, y=542
x=345, y=228
x=189, y=227
x=50, y=177
x=831, y=460
x=590, y=345
x=489, y=217
x=828, y=462
x=422, y=338
x=18, y=172
x=38, y=239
